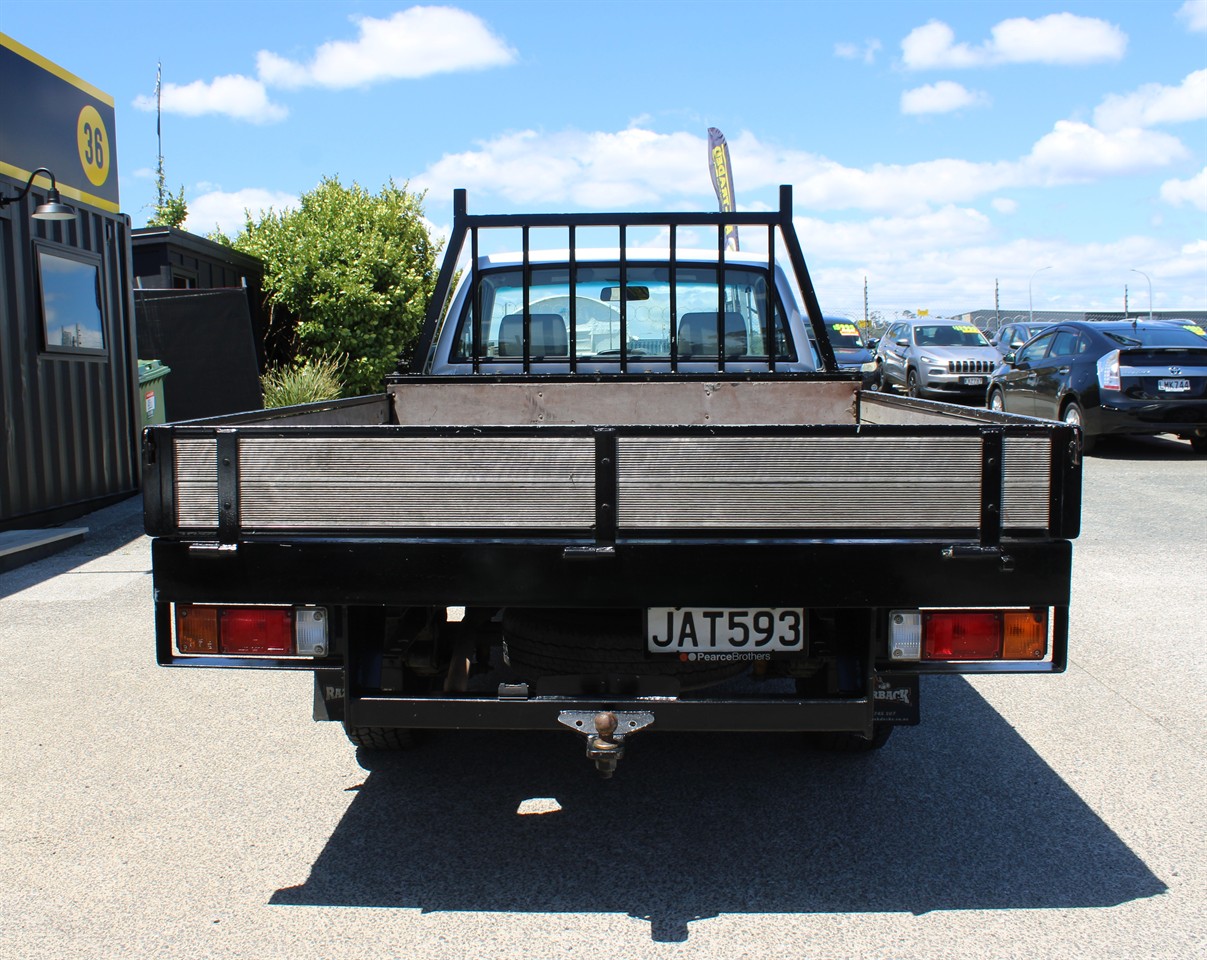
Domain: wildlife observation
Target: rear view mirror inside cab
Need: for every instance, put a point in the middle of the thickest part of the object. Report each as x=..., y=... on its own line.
x=631, y=292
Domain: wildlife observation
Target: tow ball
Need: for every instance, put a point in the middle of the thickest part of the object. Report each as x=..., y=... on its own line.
x=605, y=732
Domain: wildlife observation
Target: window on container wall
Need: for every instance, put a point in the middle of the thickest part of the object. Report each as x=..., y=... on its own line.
x=73, y=313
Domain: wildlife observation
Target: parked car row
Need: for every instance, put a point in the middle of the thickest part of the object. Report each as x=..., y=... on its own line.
x=1112, y=377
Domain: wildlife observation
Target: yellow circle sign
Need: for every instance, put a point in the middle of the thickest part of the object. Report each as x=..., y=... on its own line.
x=93, y=141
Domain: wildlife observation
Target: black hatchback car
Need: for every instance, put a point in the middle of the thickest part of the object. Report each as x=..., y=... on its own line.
x=1110, y=378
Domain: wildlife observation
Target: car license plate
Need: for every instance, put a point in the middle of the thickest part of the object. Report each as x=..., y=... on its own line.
x=707, y=630
x=1174, y=386
x=972, y=381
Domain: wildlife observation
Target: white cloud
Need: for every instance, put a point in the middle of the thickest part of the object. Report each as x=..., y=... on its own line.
x=227, y=211
x=1075, y=152
x=945, y=96
x=417, y=42
x=1060, y=38
x=1004, y=205
x=1192, y=191
x=235, y=96
x=1194, y=14
x=636, y=167
x=854, y=51
x=1154, y=103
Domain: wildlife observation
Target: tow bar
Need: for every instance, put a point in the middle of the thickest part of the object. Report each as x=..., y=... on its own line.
x=605, y=732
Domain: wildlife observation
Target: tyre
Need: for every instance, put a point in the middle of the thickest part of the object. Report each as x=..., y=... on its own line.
x=382, y=739
x=553, y=642
x=1198, y=443
x=1072, y=415
x=997, y=401
x=845, y=742
x=912, y=388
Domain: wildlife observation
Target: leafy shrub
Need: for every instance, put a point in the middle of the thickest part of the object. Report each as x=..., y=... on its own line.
x=309, y=381
x=346, y=272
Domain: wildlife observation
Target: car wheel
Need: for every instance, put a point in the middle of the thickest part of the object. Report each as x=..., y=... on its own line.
x=997, y=401
x=1073, y=417
x=911, y=384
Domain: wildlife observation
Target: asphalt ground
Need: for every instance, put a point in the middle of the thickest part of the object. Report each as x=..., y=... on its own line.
x=186, y=813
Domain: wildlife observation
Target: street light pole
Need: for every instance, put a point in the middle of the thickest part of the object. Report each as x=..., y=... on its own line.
x=1030, y=306
x=1150, y=293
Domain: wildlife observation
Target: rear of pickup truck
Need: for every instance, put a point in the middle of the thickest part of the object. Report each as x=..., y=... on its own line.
x=691, y=542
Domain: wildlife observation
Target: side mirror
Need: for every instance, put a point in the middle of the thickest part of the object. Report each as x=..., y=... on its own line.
x=1010, y=359
x=903, y=342
x=872, y=344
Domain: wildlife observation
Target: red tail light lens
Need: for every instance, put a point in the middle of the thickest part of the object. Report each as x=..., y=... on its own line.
x=961, y=635
x=256, y=630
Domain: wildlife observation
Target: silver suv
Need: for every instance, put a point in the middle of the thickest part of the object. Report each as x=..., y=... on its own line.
x=941, y=359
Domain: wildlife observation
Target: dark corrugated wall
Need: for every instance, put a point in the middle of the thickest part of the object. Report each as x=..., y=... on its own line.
x=70, y=434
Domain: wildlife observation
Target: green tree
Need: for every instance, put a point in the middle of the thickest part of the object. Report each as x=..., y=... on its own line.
x=346, y=273
x=170, y=210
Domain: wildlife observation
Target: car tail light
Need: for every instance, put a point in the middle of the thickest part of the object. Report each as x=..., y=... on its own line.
x=197, y=629
x=961, y=635
x=968, y=634
x=1025, y=635
x=1108, y=371
x=256, y=630
x=251, y=631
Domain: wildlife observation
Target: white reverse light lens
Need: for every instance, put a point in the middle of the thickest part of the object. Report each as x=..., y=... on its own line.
x=310, y=632
x=905, y=634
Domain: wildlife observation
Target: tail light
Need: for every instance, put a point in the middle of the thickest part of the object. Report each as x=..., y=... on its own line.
x=251, y=631
x=1108, y=371
x=968, y=634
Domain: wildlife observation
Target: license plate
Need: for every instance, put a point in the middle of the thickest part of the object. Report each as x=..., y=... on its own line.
x=972, y=381
x=708, y=630
x=1174, y=386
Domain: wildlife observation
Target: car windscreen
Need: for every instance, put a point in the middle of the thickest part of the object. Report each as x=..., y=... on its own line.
x=844, y=334
x=1154, y=337
x=949, y=335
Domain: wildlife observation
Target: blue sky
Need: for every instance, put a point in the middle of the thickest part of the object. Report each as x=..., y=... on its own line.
x=934, y=148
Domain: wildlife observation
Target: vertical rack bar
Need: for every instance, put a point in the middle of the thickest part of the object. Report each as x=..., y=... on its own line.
x=674, y=320
x=475, y=299
x=721, y=297
x=772, y=301
x=624, y=301
x=527, y=317
x=573, y=349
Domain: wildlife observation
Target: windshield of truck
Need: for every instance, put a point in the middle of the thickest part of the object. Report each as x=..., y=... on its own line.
x=700, y=307
x=949, y=335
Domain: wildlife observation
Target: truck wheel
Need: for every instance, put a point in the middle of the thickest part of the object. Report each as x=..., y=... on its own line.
x=845, y=742
x=552, y=642
x=381, y=738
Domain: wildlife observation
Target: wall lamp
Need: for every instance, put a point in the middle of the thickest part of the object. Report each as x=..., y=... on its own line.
x=52, y=209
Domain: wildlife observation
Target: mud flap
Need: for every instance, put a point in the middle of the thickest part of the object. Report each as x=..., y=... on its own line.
x=896, y=699
x=328, y=694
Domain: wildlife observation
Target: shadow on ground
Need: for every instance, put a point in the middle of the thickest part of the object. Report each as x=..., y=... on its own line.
x=958, y=814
